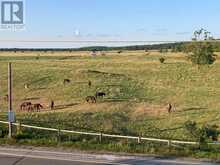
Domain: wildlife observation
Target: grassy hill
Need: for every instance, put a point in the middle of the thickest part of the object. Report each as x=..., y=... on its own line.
x=137, y=85
x=138, y=89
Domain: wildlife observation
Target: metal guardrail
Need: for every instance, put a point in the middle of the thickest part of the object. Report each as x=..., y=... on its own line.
x=139, y=139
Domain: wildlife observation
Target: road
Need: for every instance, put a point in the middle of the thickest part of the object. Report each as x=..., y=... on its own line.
x=16, y=156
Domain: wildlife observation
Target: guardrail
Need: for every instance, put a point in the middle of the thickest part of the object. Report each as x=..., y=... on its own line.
x=100, y=135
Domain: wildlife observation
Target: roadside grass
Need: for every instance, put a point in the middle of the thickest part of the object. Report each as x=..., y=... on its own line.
x=89, y=144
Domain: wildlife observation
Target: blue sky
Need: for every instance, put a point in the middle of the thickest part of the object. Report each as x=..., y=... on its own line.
x=113, y=20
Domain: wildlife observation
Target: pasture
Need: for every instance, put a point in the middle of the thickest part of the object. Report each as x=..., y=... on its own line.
x=138, y=89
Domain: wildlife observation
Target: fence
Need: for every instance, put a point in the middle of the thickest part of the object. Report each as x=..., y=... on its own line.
x=101, y=135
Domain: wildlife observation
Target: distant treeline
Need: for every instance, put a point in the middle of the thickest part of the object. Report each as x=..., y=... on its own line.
x=176, y=47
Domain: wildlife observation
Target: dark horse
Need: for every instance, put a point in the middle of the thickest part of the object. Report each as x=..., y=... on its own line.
x=25, y=106
x=37, y=107
x=90, y=83
x=52, y=105
x=100, y=94
x=169, y=108
x=91, y=99
x=66, y=81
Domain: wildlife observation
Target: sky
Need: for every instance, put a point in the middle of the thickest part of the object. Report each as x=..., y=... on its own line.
x=111, y=20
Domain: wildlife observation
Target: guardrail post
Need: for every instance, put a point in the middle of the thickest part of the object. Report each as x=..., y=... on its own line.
x=169, y=143
x=19, y=130
x=59, y=136
x=100, y=137
x=139, y=140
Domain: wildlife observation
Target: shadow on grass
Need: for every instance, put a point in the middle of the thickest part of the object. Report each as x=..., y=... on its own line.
x=59, y=107
x=125, y=100
x=192, y=109
x=31, y=98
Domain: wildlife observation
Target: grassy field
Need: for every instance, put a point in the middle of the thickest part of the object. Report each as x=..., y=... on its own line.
x=138, y=90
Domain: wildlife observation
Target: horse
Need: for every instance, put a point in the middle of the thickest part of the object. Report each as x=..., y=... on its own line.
x=66, y=81
x=30, y=108
x=25, y=106
x=100, y=94
x=52, y=105
x=91, y=99
x=90, y=83
x=37, y=107
x=169, y=108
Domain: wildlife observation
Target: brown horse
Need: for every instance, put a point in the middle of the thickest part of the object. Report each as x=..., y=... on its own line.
x=90, y=99
x=37, y=107
x=169, y=108
x=66, y=81
x=52, y=105
x=90, y=83
x=25, y=106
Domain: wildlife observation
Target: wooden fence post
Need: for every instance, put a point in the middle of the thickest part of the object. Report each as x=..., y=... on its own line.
x=169, y=145
x=59, y=136
x=19, y=130
x=100, y=137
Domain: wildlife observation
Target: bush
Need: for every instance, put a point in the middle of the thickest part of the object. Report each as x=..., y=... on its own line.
x=202, y=134
x=3, y=131
x=201, y=53
x=211, y=132
x=162, y=60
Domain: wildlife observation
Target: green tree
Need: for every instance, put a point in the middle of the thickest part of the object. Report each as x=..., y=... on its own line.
x=201, y=53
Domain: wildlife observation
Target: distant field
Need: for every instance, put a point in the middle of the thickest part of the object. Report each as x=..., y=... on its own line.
x=138, y=90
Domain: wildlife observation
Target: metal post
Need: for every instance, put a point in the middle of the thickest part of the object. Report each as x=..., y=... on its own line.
x=9, y=99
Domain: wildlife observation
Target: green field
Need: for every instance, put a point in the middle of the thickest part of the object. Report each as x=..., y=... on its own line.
x=137, y=85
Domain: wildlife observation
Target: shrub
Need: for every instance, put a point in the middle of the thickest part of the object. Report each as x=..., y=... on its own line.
x=162, y=60
x=202, y=134
x=211, y=131
x=201, y=53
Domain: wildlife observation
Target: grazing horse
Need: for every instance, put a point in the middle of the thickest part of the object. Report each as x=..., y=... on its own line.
x=90, y=83
x=52, y=105
x=91, y=99
x=25, y=106
x=169, y=108
x=66, y=81
x=30, y=108
x=37, y=107
x=100, y=94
